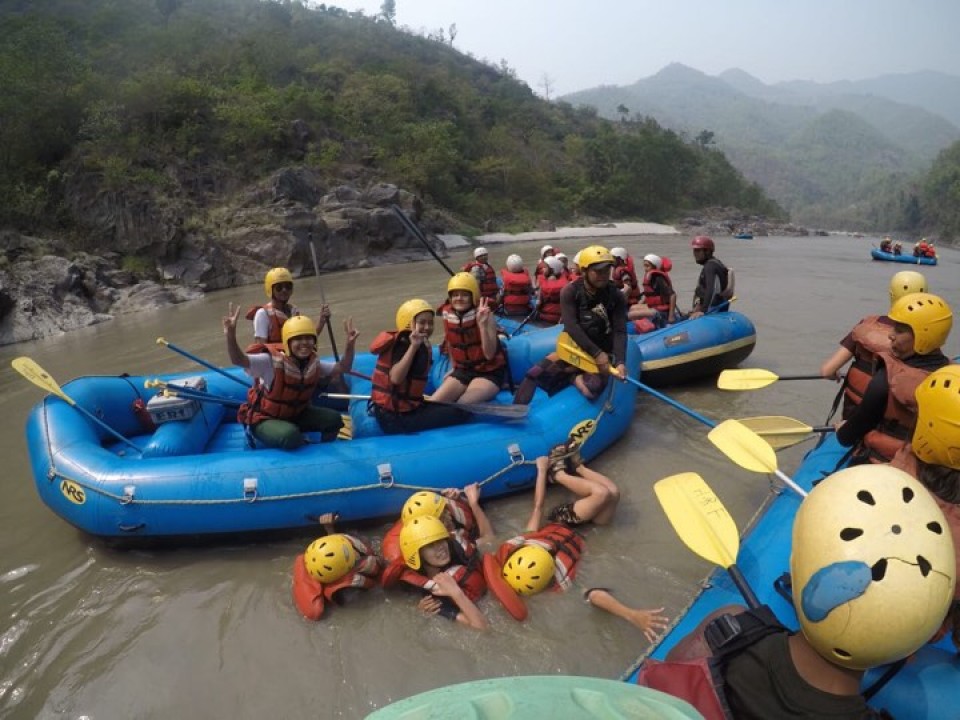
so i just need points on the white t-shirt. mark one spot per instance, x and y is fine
(261, 367)
(261, 322)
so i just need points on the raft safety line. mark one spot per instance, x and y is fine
(130, 499)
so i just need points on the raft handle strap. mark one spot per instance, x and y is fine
(385, 471)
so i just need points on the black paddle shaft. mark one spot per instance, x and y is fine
(417, 233)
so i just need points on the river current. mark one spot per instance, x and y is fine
(207, 631)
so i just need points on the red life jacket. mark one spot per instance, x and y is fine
(900, 416)
(622, 274)
(550, 288)
(650, 298)
(516, 292)
(290, 393)
(309, 594)
(406, 396)
(468, 573)
(277, 318)
(870, 336)
(488, 284)
(462, 338)
(564, 543)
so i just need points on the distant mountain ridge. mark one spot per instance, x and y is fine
(817, 149)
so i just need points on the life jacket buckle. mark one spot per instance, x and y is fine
(721, 631)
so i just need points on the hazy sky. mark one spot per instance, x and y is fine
(584, 43)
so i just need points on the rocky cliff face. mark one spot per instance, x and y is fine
(140, 254)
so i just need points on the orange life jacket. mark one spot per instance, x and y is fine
(408, 395)
(488, 284)
(462, 338)
(650, 297)
(290, 393)
(900, 416)
(564, 543)
(870, 336)
(516, 291)
(277, 318)
(622, 274)
(309, 594)
(550, 288)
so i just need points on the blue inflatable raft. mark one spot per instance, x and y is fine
(911, 259)
(686, 351)
(198, 476)
(926, 688)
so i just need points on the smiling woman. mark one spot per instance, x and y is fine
(278, 409)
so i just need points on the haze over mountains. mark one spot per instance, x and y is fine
(824, 151)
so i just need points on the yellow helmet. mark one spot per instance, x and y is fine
(871, 550)
(594, 255)
(936, 439)
(275, 276)
(928, 316)
(295, 327)
(421, 504)
(409, 310)
(417, 534)
(330, 558)
(906, 282)
(465, 281)
(529, 569)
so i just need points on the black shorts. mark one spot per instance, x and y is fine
(465, 376)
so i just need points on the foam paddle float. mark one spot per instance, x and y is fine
(42, 379)
(755, 378)
(704, 525)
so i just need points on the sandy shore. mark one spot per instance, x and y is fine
(564, 233)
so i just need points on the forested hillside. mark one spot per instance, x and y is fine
(829, 155)
(189, 101)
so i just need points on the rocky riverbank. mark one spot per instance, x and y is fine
(158, 256)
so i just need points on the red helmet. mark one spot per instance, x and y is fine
(702, 242)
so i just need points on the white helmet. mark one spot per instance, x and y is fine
(514, 263)
(479, 252)
(555, 265)
(545, 249)
(654, 260)
(560, 256)
(576, 259)
(619, 252)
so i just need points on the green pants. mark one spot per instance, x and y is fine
(288, 434)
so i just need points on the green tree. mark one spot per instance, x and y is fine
(388, 11)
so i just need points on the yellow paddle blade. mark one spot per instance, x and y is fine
(776, 425)
(346, 432)
(747, 379)
(571, 353)
(779, 431)
(699, 518)
(39, 377)
(743, 446)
